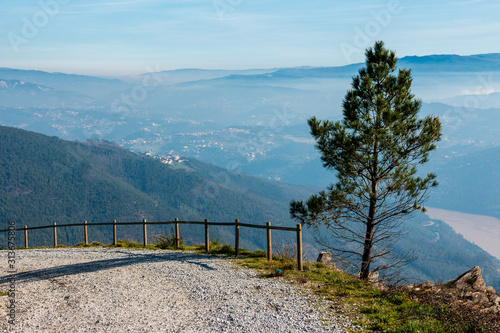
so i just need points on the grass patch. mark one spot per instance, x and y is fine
(93, 244)
(3, 293)
(132, 245)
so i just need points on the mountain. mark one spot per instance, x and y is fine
(82, 84)
(453, 63)
(15, 93)
(172, 77)
(255, 122)
(45, 179)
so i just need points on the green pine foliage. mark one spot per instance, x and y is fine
(375, 151)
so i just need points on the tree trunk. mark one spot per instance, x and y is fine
(367, 251)
(370, 222)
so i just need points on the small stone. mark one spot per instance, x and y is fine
(326, 259)
(490, 290)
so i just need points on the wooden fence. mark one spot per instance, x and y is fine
(176, 222)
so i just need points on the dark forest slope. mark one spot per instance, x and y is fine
(45, 179)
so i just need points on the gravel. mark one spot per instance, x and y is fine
(125, 290)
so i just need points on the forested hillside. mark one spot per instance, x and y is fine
(45, 179)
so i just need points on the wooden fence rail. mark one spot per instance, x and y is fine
(176, 222)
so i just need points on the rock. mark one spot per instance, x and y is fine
(372, 277)
(480, 298)
(471, 280)
(494, 309)
(495, 299)
(425, 285)
(326, 259)
(490, 290)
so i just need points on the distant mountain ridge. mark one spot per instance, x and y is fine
(444, 62)
(82, 84)
(16, 93)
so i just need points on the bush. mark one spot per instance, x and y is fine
(168, 242)
(216, 247)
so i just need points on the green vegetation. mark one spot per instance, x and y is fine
(169, 242)
(131, 244)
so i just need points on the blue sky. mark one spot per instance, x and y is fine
(120, 37)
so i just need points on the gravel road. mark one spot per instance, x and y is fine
(124, 290)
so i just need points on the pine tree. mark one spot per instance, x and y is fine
(375, 151)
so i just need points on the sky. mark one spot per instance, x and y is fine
(124, 37)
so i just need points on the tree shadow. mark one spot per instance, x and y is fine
(94, 266)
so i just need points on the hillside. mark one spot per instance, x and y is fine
(45, 179)
(17, 93)
(82, 84)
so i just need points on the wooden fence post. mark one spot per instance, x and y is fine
(236, 237)
(85, 233)
(26, 236)
(299, 247)
(207, 241)
(177, 238)
(114, 233)
(269, 246)
(55, 235)
(144, 233)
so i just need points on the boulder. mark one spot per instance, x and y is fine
(372, 277)
(471, 280)
(495, 299)
(468, 290)
(480, 298)
(426, 286)
(326, 259)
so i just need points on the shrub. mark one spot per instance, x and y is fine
(216, 247)
(168, 241)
